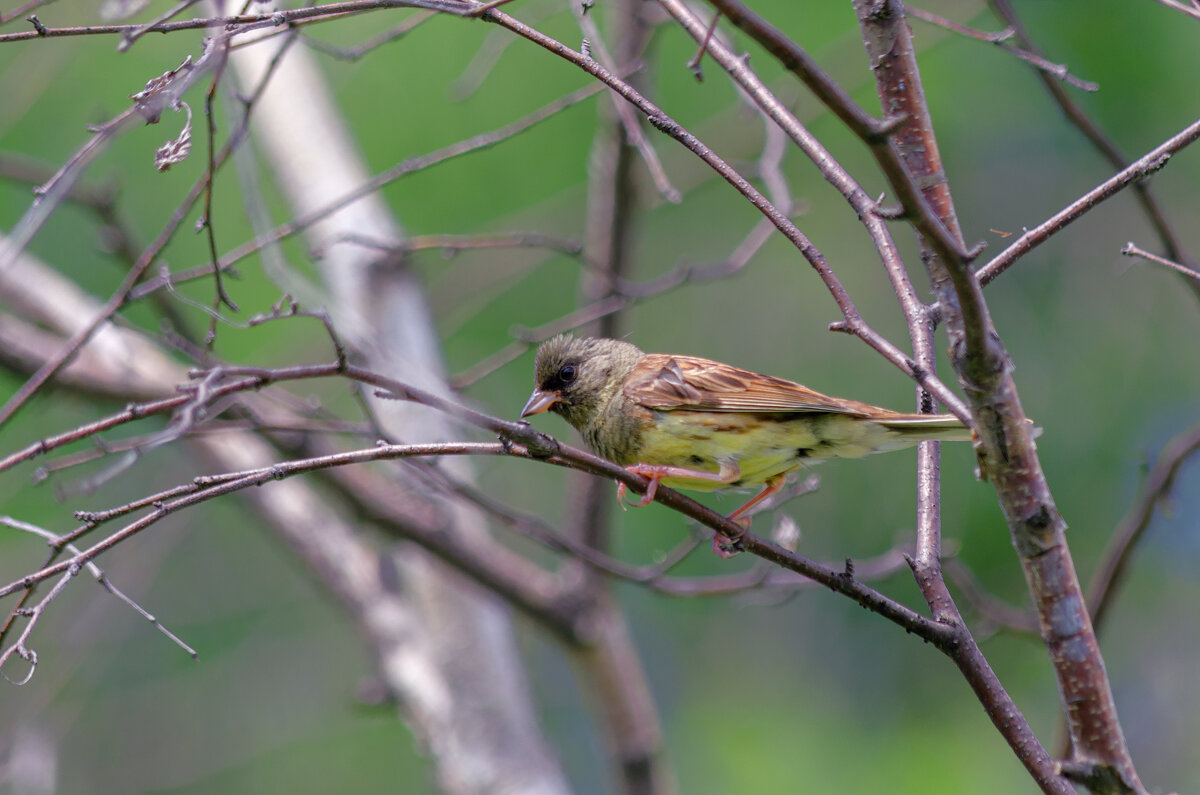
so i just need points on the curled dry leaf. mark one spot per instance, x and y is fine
(177, 149)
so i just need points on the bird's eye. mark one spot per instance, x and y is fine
(567, 373)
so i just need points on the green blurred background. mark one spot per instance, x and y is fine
(809, 695)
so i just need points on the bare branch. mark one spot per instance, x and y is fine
(1141, 168)
(402, 169)
(395, 33)
(994, 611)
(1102, 589)
(21, 10)
(1076, 115)
(19, 647)
(159, 91)
(243, 23)
(629, 120)
(1057, 71)
(1007, 456)
(1130, 250)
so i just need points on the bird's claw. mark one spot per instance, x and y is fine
(725, 547)
(651, 488)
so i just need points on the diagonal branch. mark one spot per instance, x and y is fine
(1134, 174)
(1172, 244)
(1102, 589)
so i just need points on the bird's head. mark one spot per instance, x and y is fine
(573, 377)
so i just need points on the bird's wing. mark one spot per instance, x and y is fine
(666, 382)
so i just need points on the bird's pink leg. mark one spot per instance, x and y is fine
(728, 473)
(723, 545)
(773, 486)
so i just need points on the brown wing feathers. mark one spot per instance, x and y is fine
(666, 382)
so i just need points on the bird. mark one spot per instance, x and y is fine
(704, 425)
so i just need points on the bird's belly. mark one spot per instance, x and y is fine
(762, 445)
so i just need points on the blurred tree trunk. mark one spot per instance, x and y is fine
(454, 667)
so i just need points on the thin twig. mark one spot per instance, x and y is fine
(220, 295)
(1057, 71)
(1103, 586)
(693, 63)
(142, 29)
(101, 578)
(402, 169)
(33, 614)
(452, 244)
(243, 23)
(993, 611)
(354, 53)
(635, 135)
(22, 10)
(494, 45)
(1130, 250)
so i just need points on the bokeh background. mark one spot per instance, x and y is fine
(756, 696)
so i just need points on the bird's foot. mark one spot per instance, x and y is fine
(654, 473)
(725, 547)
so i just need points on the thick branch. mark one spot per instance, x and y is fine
(1007, 454)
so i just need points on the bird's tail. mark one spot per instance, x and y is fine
(942, 427)
(918, 427)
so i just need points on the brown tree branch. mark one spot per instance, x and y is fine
(1007, 456)
(975, 347)
(965, 652)
(531, 444)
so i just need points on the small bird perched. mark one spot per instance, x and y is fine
(698, 424)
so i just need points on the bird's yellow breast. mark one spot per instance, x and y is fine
(762, 445)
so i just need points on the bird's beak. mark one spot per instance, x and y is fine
(541, 400)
